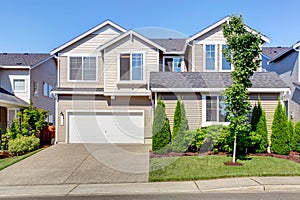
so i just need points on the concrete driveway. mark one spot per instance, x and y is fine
(79, 164)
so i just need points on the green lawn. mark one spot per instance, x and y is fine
(211, 167)
(6, 162)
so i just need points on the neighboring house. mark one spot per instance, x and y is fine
(109, 80)
(285, 62)
(24, 78)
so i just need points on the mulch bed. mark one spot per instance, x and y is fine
(293, 156)
(4, 155)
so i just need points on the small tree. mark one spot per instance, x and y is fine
(243, 52)
(290, 132)
(280, 135)
(161, 134)
(180, 121)
(262, 131)
(295, 140)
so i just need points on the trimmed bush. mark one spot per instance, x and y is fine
(23, 144)
(225, 140)
(161, 134)
(259, 138)
(183, 140)
(256, 114)
(180, 121)
(295, 139)
(280, 137)
(290, 132)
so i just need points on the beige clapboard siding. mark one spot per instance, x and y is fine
(120, 103)
(127, 45)
(192, 105)
(215, 35)
(63, 75)
(90, 43)
(269, 106)
(199, 57)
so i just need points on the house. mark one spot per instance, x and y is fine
(109, 79)
(26, 77)
(285, 62)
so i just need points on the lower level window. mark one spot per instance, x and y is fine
(215, 109)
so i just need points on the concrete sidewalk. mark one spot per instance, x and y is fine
(236, 185)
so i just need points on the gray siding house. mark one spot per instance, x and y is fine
(285, 62)
(109, 79)
(24, 78)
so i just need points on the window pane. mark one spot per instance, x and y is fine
(211, 108)
(137, 66)
(35, 89)
(222, 112)
(168, 64)
(75, 68)
(210, 57)
(49, 91)
(125, 67)
(177, 64)
(19, 85)
(89, 68)
(45, 89)
(225, 64)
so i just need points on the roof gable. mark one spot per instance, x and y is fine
(131, 33)
(219, 23)
(99, 29)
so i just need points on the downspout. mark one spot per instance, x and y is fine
(56, 102)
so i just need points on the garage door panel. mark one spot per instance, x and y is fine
(106, 127)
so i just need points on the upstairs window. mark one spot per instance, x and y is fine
(47, 88)
(35, 89)
(82, 68)
(210, 57)
(19, 85)
(131, 67)
(226, 66)
(173, 64)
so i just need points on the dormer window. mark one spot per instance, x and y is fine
(131, 67)
(82, 68)
(210, 57)
(173, 64)
(226, 66)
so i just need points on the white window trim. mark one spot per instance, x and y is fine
(119, 67)
(82, 55)
(182, 62)
(220, 61)
(216, 58)
(204, 122)
(17, 77)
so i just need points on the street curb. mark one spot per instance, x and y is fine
(233, 185)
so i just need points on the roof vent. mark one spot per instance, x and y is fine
(174, 49)
(4, 53)
(279, 47)
(170, 38)
(275, 51)
(19, 63)
(25, 53)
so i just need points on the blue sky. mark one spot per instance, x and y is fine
(42, 25)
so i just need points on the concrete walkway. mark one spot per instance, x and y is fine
(81, 164)
(236, 185)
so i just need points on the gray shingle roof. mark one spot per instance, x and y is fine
(211, 80)
(171, 44)
(7, 97)
(272, 52)
(21, 59)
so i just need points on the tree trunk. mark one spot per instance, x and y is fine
(234, 149)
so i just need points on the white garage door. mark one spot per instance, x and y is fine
(106, 127)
